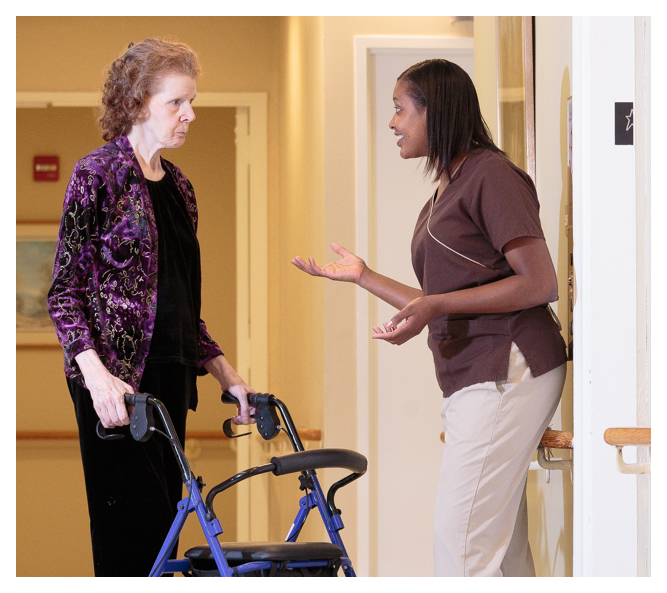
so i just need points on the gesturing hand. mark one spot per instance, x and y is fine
(415, 315)
(347, 269)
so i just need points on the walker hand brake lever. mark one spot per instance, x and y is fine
(228, 398)
(102, 433)
(229, 433)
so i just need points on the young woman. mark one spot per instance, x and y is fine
(486, 280)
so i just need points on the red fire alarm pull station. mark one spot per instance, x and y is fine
(46, 168)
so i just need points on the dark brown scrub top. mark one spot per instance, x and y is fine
(489, 202)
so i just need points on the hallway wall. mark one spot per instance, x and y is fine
(550, 514)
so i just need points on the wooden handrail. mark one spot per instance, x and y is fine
(306, 434)
(47, 435)
(556, 439)
(551, 439)
(621, 437)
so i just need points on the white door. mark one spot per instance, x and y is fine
(400, 394)
(605, 316)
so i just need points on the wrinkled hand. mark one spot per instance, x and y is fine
(106, 391)
(415, 315)
(231, 381)
(108, 395)
(347, 269)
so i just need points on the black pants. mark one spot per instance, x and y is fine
(133, 488)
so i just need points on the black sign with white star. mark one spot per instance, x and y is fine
(625, 123)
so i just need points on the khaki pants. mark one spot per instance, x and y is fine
(491, 433)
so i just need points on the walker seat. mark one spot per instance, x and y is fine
(286, 558)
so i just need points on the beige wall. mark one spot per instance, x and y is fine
(238, 54)
(42, 398)
(296, 347)
(296, 227)
(486, 71)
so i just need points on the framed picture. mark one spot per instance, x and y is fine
(35, 252)
(516, 95)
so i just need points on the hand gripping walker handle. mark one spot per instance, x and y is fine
(141, 420)
(228, 398)
(268, 423)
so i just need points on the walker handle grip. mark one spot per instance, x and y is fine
(141, 420)
(228, 398)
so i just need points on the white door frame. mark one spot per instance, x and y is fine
(605, 312)
(251, 254)
(367, 403)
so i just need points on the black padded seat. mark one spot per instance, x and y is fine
(237, 553)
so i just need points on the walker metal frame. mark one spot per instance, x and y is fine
(269, 425)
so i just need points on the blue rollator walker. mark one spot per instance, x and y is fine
(286, 559)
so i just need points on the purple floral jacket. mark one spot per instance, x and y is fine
(104, 290)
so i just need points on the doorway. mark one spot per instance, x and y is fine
(401, 437)
(231, 185)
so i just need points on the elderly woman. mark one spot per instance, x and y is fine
(486, 278)
(125, 301)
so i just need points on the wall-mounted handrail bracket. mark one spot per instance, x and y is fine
(629, 437)
(545, 461)
(554, 439)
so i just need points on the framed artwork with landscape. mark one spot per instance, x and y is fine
(35, 251)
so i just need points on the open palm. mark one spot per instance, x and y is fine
(348, 268)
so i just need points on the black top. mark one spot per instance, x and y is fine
(179, 278)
